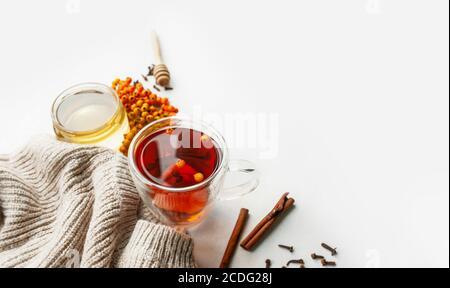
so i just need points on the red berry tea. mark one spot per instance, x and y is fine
(178, 158)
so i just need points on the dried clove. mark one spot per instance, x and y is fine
(151, 69)
(268, 263)
(144, 77)
(289, 248)
(329, 248)
(156, 88)
(168, 88)
(136, 82)
(327, 263)
(296, 261)
(314, 256)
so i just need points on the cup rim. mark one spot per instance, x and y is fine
(217, 137)
(72, 90)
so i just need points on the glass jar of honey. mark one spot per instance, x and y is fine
(90, 113)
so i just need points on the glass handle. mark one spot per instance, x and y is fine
(246, 180)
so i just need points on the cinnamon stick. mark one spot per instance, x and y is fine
(234, 238)
(282, 206)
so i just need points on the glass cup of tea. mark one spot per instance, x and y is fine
(179, 168)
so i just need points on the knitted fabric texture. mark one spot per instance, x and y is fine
(65, 205)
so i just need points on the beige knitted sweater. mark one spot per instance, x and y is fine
(64, 205)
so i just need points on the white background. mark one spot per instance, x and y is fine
(360, 86)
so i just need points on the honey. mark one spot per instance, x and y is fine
(90, 114)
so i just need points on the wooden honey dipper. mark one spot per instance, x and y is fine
(161, 72)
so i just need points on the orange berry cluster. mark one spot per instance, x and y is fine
(142, 107)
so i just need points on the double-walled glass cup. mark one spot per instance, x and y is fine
(186, 206)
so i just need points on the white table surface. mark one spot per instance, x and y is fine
(360, 89)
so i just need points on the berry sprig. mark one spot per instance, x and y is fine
(142, 107)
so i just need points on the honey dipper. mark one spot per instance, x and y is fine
(161, 73)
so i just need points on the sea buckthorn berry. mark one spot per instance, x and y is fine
(204, 138)
(126, 143)
(144, 114)
(181, 163)
(142, 121)
(198, 177)
(131, 115)
(129, 136)
(149, 118)
(123, 149)
(140, 126)
(132, 98)
(139, 103)
(137, 111)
